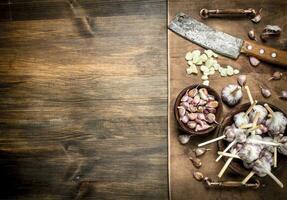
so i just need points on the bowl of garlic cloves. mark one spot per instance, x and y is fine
(198, 109)
(254, 135)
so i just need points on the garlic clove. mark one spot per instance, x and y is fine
(200, 151)
(192, 116)
(191, 124)
(192, 108)
(251, 34)
(211, 118)
(198, 176)
(241, 80)
(206, 82)
(181, 111)
(195, 161)
(265, 92)
(202, 102)
(254, 61)
(184, 98)
(184, 139)
(200, 109)
(193, 92)
(201, 116)
(258, 17)
(202, 127)
(276, 76)
(196, 99)
(185, 104)
(184, 119)
(283, 94)
(212, 104)
(188, 56)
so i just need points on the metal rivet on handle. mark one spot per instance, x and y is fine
(249, 47)
(273, 55)
(261, 51)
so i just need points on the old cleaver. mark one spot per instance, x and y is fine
(223, 43)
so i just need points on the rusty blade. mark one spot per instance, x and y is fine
(205, 36)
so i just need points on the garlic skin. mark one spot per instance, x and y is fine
(283, 94)
(231, 94)
(241, 80)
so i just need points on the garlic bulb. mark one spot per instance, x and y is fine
(231, 94)
(277, 123)
(240, 119)
(262, 113)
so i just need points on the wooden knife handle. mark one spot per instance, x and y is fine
(265, 53)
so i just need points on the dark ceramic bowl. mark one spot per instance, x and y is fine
(237, 165)
(218, 113)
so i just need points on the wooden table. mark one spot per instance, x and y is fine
(182, 184)
(83, 101)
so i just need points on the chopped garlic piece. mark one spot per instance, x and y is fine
(203, 68)
(216, 66)
(210, 53)
(236, 71)
(203, 57)
(206, 82)
(204, 77)
(229, 71)
(190, 62)
(188, 56)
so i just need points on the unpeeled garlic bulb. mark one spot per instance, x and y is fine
(231, 94)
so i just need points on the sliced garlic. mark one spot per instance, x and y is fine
(236, 71)
(229, 70)
(190, 62)
(206, 82)
(216, 66)
(203, 57)
(203, 68)
(210, 53)
(188, 56)
(210, 62)
(204, 77)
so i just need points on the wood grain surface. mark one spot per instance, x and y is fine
(182, 184)
(83, 99)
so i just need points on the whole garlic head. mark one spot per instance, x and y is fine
(231, 94)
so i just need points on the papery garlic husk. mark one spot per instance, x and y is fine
(283, 94)
(241, 80)
(231, 94)
(276, 76)
(184, 139)
(200, 151)
(198, 176)
(265, 92)
(195, 161)
(254, 61)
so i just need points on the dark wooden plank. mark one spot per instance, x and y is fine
(84, 115)
(182, 183)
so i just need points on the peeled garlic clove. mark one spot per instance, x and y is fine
(276, 76)
(193, 92)
(188, 56)
(206, 82)
(212, 104)
(200, 151)
(191, 124)
(195, 161)
(251, 34)
(265, 92)
(181, 111)
(184, 139)
(254, 61)
(184, 119)
(283, 94)
(241, 80)
(198, 176)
